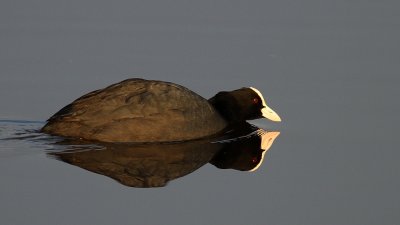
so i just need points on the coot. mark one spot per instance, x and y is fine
(138, 110)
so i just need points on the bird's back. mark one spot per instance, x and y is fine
(137, 110)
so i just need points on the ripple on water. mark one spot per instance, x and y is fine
(19, 137)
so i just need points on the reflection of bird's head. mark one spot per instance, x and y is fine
(267, 138)
(245, 154)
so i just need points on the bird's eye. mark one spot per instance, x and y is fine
(255, 100)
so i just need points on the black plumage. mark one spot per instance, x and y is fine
(138, 110)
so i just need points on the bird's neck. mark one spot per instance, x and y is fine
(227, 107)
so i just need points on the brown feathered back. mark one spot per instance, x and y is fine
(137, 110)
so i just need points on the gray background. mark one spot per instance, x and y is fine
(329, 68)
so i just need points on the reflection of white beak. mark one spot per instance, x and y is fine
(270, 114)
(267, 138)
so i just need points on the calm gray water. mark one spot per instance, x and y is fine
(329, 68)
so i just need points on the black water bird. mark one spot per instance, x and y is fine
(138, 110)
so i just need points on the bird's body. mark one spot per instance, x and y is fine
(138, 110)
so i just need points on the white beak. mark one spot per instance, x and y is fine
(267, 112)
(270, 114)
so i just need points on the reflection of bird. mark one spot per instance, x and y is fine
(153, 165)
(138, 110)
(147, 165)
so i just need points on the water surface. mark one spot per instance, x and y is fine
(330, 69)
